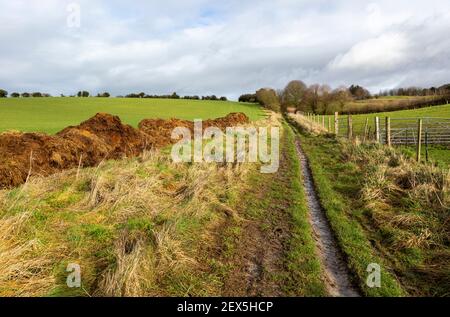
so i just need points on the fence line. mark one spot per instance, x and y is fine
(388, 131)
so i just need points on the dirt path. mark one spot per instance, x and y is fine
(259, 262)
(337, 276)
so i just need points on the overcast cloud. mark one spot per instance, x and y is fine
(221, 47)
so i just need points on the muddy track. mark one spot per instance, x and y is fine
(261, 249)
(337, 276)
(260, 257)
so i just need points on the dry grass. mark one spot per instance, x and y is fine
(132, 273)
(409, 207)
(137, 227)
(307, 125)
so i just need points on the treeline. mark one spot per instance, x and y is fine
(174, 96)
(248, 98)
(86, 94)
(297, 96)
(4, 94)
(416, 91)
(322, 99)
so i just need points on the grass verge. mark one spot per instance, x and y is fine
(337, 186)
(302, 260)
(385, 209)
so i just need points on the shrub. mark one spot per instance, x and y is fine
(83, 94)
(268, 98)
(248, 98)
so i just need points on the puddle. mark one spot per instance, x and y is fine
(337, 276)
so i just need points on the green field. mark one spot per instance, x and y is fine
(360, 119)
(439, 154)
(433, 112)
(51, 115)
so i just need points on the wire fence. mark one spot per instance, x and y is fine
(404, 131)
(386, 130)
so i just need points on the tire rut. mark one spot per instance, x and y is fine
(337, 276)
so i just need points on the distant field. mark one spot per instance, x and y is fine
(51, 115)
(393, 98)
(391, 103)
(429, 112)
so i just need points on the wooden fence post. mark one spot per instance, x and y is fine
(329, 124)
(323, 121)
(377, 129)
(388, 131)
(336, 123)
(350, 127)
(366, 130)
(419, 139)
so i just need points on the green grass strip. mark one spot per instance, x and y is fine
(348, 232)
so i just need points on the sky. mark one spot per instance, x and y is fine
(220, 47)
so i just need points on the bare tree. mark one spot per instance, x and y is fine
(342, 96)
(293, 94)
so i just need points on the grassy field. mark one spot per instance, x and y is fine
(51, 115)
(360, 119)
(429, 112)
(432, 112)
(439, 154)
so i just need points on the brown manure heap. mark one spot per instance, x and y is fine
(159, 131)
(103, 137)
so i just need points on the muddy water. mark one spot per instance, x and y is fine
(337, 277)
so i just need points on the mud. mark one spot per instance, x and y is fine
(259, 258)
(337, 276)
(103, 137)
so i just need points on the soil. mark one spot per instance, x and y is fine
(103, 137)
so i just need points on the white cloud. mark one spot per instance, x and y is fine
(226, 47)
(385, 52)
